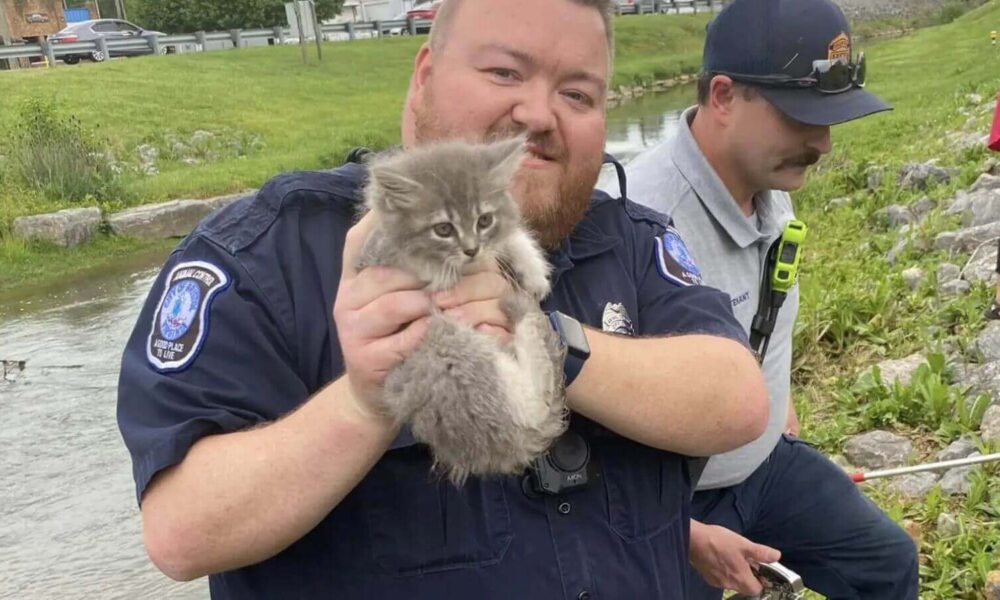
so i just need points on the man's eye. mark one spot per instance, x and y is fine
(579, 97)
(506, 74)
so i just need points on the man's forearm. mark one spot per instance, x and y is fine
(240, 498)
(693, 394)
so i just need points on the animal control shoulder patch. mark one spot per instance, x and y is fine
(180, 324)
(673, 260)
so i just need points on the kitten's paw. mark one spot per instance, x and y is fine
(537, 285)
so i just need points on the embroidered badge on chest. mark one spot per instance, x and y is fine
(181, 321)
(616, 319)
(673, 260)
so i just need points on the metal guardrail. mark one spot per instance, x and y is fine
(157, 43)
(645, 7)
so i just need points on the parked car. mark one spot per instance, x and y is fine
(423, 11)
(109, 29)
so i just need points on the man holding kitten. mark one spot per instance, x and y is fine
(248, 387)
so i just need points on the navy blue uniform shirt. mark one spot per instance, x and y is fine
(238, 330)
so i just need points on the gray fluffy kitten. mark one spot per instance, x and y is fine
(483, 408)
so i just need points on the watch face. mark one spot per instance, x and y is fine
(572, 334)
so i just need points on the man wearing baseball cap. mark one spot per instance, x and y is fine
(776, 75)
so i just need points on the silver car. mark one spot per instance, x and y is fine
(109, 29)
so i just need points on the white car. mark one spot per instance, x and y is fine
(421, 11)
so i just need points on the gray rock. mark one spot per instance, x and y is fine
(838, 202)
(947, 525)
(66, 228)
(960, 448)
(920, 175)
(156, 221)
(841, 461)
(898, 248)
(956, 481)
(988, 342)
(986, 181)
(914, 485)
(894, 215)
(959, 204)
(981, 265)
(993, 585)
(878, 450)
(967, 239)
(189, 161)
(222, 201)
(962, 140)
(946, 240)
(982, 379)
(201, 136)
(912, 277)
(148, 153)
(899, 369)
(874, 178)
(983, 207)
(990, 428)
(955, 288)
(923, 206)
(947, 272)
(991, 166)
(974, 99)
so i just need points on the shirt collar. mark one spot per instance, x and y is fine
(585, 241)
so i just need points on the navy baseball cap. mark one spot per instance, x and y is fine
(797, 53)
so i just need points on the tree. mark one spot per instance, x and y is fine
(186, 16)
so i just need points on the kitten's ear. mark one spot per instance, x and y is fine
(392, 189)
(506, 157)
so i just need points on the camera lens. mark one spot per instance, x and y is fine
(570, 452)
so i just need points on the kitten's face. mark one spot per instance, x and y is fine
(448, 204)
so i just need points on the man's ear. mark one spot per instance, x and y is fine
(722, 94)
(423, 64)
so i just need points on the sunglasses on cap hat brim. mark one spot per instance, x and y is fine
(828, 77)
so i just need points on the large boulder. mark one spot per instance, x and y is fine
(156, 221)
(878, 450)
(67, 228)
(921, 175)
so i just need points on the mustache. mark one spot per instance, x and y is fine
(806, 159)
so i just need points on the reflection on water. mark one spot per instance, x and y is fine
(69, 526)
(644, 121)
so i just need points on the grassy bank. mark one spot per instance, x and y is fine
(856, 310)
(244, 116)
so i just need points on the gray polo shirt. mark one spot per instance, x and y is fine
(730, 248)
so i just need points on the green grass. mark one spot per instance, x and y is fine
(305, 116)
(856, 309)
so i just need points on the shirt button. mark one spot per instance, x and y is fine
(584, 595)
(564, 508)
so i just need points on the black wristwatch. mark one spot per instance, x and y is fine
(577, 348)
